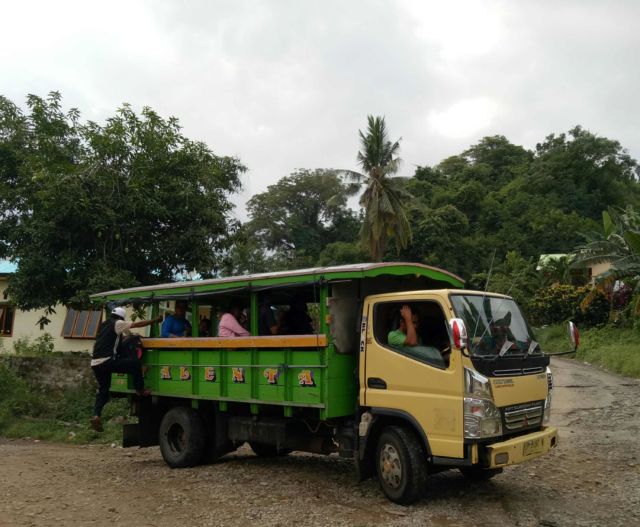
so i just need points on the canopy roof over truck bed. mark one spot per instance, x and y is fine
(438, 277)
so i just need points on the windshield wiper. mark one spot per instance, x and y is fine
(505, 347)
(532, 348)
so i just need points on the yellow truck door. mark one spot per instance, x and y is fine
(410, 381)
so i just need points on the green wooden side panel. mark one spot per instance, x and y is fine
(317, 378)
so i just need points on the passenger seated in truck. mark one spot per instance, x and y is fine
(297, 321)
(229, 325)
(204, 327)
(176, 325)
(267, 323)
(406, 339)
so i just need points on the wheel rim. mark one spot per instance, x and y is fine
(176, 438)
(390, 466)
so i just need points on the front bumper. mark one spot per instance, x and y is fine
(521, 448)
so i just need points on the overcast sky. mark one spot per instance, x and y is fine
(287, 84)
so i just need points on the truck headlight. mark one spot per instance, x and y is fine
(481, 416)
(476, 385)
(547, 409)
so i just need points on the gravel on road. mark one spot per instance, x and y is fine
(591, 478)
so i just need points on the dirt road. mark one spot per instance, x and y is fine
(592, 478)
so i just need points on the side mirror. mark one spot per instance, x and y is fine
(574, 335)
(458, 332)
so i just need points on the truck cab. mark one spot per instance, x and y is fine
(473, 393)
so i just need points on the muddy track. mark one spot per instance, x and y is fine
(592, 478)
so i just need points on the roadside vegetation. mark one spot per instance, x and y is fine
(29, 412)
(613, 348)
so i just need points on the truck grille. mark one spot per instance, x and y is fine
(521, 416)
(517, 371)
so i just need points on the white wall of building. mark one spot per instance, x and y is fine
(25, 324)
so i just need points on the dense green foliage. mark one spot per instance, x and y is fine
(294, 221)
(560, 303)
(85, 207)
(496, 206)
(499, 196)
(611, 347)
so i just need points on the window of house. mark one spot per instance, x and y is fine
(7, 315)
(81, 324)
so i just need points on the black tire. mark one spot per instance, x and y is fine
(480, 474)
(265, 450)
(401, 465)
(181, 437)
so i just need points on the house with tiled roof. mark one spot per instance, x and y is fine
(71, 330)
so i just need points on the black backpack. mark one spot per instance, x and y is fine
(130, 347)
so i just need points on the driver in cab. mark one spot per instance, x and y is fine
(407, 332)
(407, 340)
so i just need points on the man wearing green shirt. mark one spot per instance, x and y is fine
(406, 340)
(406, 334)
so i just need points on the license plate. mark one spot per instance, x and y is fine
(532, 446)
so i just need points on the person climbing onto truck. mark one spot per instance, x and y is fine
(105, 360)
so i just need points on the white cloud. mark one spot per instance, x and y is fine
(464, 119)
(287, 84)
(459, 29)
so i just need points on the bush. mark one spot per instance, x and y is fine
(17, 398)
(43, 345)
(555, 304)
(594, 309)
(59, 416)
(586, 306)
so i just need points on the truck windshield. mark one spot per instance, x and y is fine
(495, 326)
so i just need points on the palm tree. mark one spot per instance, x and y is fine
(384, 200)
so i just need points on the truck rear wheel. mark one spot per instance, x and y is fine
(181, 437)
(401, 465)
(480, 474)
(265, 450)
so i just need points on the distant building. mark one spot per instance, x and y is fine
(593, 271)
(71, 330)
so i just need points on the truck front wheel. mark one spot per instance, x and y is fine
(181, 437)
(401, 465)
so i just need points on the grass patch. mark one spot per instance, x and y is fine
(616, 349)
(26, 411)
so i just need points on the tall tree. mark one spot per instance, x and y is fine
(293, 220)
(384, 199)
(87, 207)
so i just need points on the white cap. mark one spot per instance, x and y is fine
(120, 312)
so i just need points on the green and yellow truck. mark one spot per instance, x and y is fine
(474, 394)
